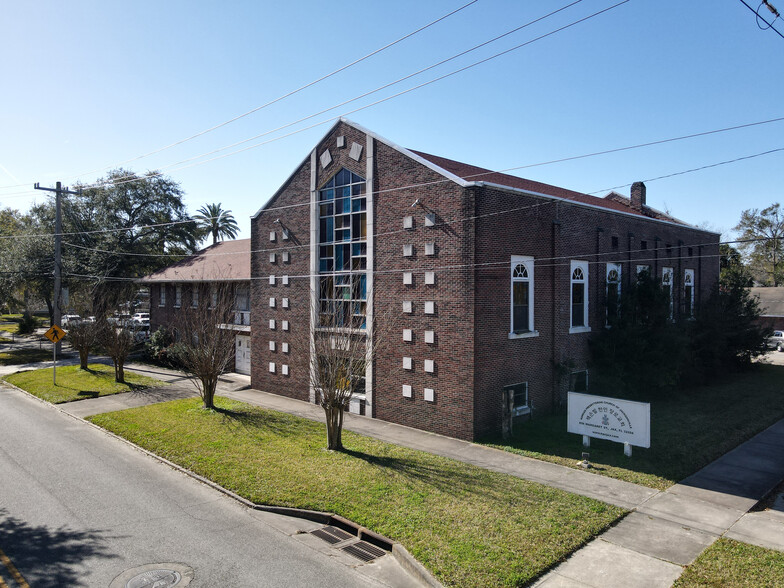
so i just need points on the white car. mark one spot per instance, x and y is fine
(141, 318)
(70, 320)
(776, 341)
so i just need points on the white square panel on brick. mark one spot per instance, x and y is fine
(286, 234)
(272, 302)
(285, 325)
(408, 363)
(285, 280)
(430, 366)
(284, 369)
(284, 347)
(356, 151)
(286, 256)
(408, 306)
(272, 258)
(272, 236)
(272, 280)
(408, 250)
(272, 345)
(408, 222)
(272, 324)
(430, 219)
(430, 337)
(325, 158)
(430, 307)
(272, 367)
(408, 278)
(430, 395)
(430, 278)
(408, 335)
(407, 391)
(284, 303)
(430, 248)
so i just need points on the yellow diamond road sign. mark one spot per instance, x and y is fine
(55, 334)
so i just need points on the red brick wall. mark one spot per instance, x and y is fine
(555, 233)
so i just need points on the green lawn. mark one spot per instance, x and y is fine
(731, 564)
(687, 432)
(10, 322)
(25, 355)
(469, 526)
(76, 384)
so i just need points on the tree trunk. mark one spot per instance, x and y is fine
(119, 373)
(334, 427)
(83, 355)
(208, 392)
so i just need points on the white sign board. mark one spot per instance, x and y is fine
(600, 417)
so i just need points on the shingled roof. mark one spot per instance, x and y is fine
(771, 300)
(226, 261)
(472, 173)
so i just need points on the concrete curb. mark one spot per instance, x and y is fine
(400, 553)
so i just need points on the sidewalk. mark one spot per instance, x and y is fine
(664, 532)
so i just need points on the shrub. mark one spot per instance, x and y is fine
(27, 324)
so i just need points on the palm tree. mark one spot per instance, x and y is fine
(216, 221)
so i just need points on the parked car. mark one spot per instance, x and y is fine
(776, 341)
(141, 318)
(70, 320)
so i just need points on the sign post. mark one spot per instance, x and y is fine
(618, 420)
(55, 334)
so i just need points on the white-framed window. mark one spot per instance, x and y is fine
(162, 295)
(613, 293)
(578, 297)
(195, 296)
(177, 296)
(519, 394)
(667, 286)
(521, 298)
(688, 293)
(242, 298)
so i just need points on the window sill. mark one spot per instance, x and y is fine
(525, 335)
(573, 330)
(521, 410)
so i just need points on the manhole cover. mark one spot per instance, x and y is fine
(155, 579)
(161, 575)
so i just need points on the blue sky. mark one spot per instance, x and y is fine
(87, 86)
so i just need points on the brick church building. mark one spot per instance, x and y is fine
(494, 281)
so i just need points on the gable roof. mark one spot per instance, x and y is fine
(227, 261)
(479, 175)
(466, 175)
(771, 300)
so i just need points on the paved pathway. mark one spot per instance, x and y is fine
(665, 531)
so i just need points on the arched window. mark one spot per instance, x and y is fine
(522, 295)
(613, 292)
(579, 296)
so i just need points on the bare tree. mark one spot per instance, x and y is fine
(205, 338)
(117, 341)
(82, 338)
(342, 350)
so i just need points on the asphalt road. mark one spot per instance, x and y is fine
(80, 508)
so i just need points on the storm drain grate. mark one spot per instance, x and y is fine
(331, 534)
(364, 551)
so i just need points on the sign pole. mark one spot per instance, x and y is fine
(54, 363)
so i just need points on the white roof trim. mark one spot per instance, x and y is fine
(450, 176)
(594, 206)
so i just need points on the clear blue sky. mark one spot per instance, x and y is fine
(89, 85)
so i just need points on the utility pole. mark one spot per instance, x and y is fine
(58, 234)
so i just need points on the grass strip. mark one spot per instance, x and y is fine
(25, 355)
(732, 564)
(687, 432)
(469, 526)
(77, 384)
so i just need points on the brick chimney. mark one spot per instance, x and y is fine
(638, 195)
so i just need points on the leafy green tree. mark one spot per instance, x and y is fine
(732, 268)
(215, 221)
(763, 231)
(642, 353)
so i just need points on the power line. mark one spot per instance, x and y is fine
(756, 12)
(279, 98)
(173, 166)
